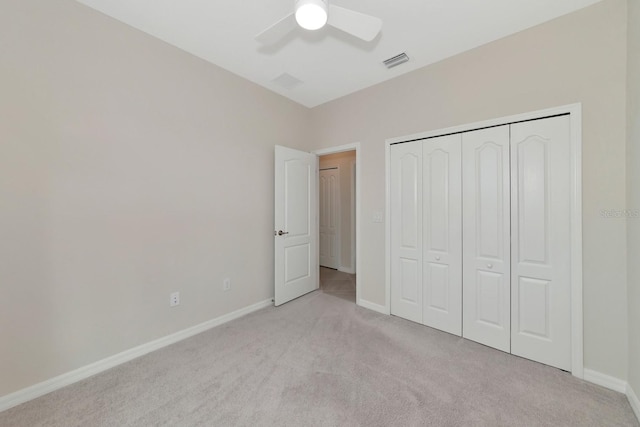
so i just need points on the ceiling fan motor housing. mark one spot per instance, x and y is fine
(311, 14)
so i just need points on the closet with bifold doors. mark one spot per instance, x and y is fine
(480, 237)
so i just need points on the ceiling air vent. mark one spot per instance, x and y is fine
(396, 60)
(287, 81)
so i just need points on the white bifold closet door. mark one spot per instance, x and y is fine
(406, 230)
(541, 241)
(486, 237)
(426, 243)
(442, 237)
(480, 236)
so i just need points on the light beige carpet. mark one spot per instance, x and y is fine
(322, 361)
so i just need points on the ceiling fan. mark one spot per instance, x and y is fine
(315, 14)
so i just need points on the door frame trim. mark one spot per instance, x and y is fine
(575, 114)
(355, 146)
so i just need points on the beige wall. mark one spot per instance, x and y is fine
(128, 169)
(580, 57)
(345, 161)
(633, 190)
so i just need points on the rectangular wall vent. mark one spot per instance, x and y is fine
(396, 60)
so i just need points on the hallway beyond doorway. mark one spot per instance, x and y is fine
(337, 283)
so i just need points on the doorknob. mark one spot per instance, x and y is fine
(280, 232)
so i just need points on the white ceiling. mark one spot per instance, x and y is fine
(330, 63)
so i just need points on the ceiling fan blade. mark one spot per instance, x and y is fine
(278, 30)
(365, 27)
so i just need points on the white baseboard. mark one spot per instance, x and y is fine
(615, 384)
(604, 380)
(347, 270)
(76, 375)
(372, 306)
(633, 401)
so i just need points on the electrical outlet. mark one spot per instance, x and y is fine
(174, 299)
(226, 284)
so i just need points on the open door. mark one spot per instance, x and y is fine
(296, 249)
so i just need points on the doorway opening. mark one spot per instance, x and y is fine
(338, 202)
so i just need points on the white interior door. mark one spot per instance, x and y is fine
(486, 237)
(541, 241)
(296, 260)
(406, 230)
(329, 217)
(442, 225)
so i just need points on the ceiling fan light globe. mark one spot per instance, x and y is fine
(311, 14)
